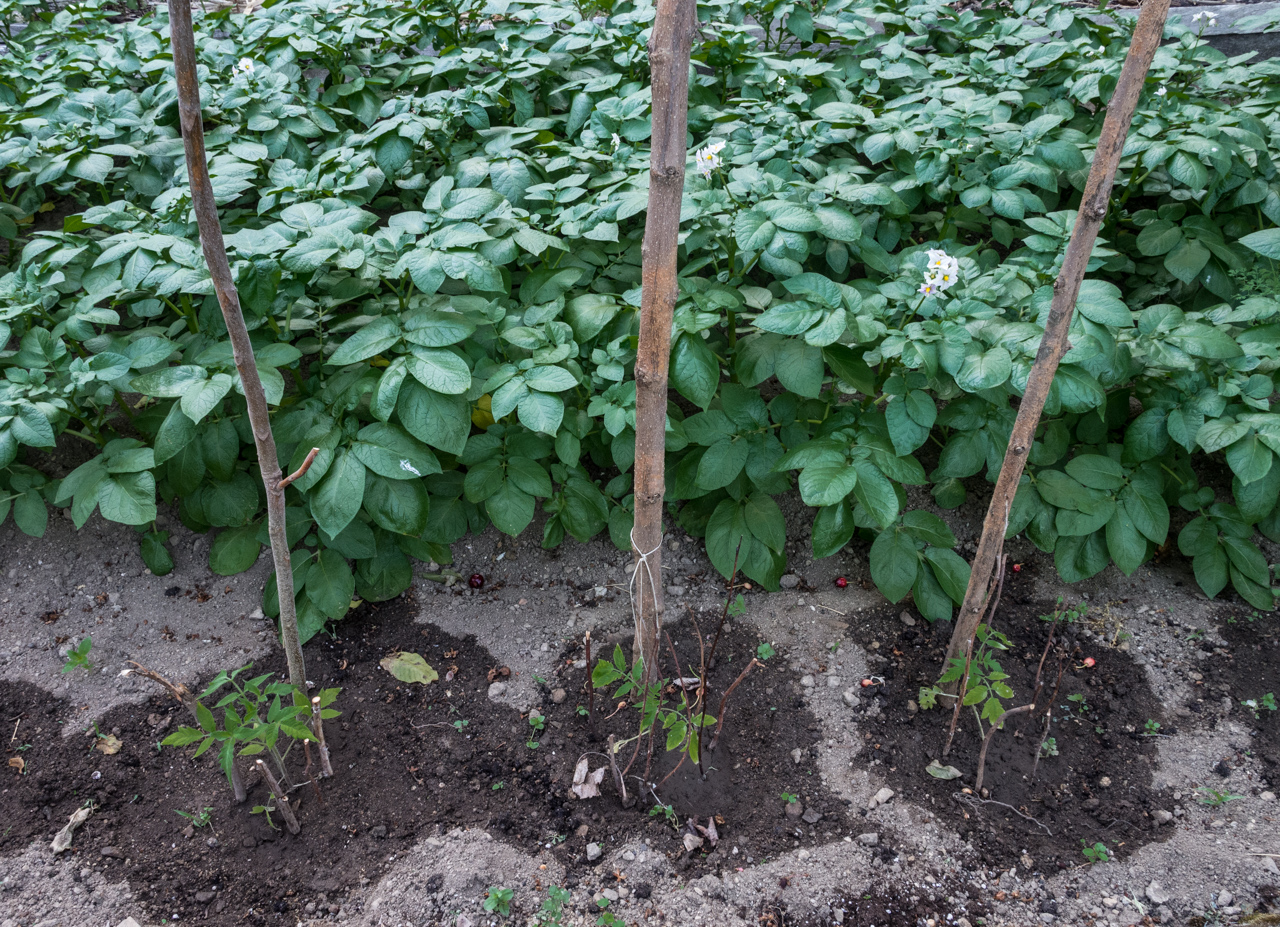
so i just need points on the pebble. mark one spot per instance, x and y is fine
(797, 756)
(379, 831)
(594, 852)
(610, 894)
(1268, 796)
(851, 697)
(882, 796)
(871, 840)
(558, 696)
(1157, 893)
(496, 689)
(205, 897)
(834, 682)
(212, 843)
(629, 855)
(793, 810)
(811, 815)
(790, 581)
(112, 852)
(1225, 898)
(676, 591)
(906, 619)
(806, 681)
(1161, 816)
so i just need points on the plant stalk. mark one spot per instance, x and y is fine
(591, 690)
(1093, 208)
(669, 48)
(282, 800)
(715, 738)
(317, 728)
(986, 742)
(182, 41)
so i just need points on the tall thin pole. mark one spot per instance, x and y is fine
(182, 41)
(669, 46)
(1093, 208)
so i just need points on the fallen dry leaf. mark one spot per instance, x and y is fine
(409, 667)
(109, 744)
(18, 763)
(586, 785)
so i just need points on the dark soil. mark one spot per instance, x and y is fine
(409, 761)
(1096, 789)
(1248, 670)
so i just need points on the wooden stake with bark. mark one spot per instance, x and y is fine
(1093, 207)
(182, 41)
(669, 46)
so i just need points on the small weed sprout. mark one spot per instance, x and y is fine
(667, 813)
(1259, 705)
(552, 910)
(1152, 727)
(1078, 700)
(790, 798)
(199, 818)
(1049, 747)
(1215, 798)
(764, 652)
(1098, 853)
(78, 656)
(607, 918)
(459, 726)
(265, 811)
(498, 786)
(498, 900)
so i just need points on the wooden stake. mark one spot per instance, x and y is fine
(669, 45)
(1093, 207)
(182, 41)
(591, 690)
(282, 800)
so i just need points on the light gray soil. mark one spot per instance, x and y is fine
(1212, 864)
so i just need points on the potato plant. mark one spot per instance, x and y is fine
(434, 217)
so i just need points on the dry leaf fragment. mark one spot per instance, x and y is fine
(586, 785)
(938, 771)
(109, 744)
(18, 763)
(409, 667)
(62, 840)
(692, 842)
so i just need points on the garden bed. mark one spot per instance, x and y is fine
(1097, 787)
(409, 762)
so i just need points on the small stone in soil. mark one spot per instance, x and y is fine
(882, 796)
(594, 852)
(558, 696)
(793, 810)
(851, 697)
(811, 816)
(496, 689)
(1157, 893)
(870, 840)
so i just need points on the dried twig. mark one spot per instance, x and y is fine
(715, 738)
(189, 700)
(282, 800)
(1048, 720)
(986, 741)
(591, 690)
(617, 773)
(972, 800)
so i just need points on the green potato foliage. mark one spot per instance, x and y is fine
(434, 216)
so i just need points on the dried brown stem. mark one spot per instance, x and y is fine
(727, 599)
(189, 700)
(669, 46)
(282, 800)
(986, 742)
(1147, 36)
(715, 738)
(317, 728)
(617, 774)
(182, 41)
(1048, 720)
(591, 690)
(301, 471)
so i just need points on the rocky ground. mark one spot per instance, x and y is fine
(1216, 862)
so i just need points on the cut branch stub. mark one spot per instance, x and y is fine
(1093, 207)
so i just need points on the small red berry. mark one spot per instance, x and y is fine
(1090, 661)
(476, 581)
(867, 683)
(1017, 568)
(841, 582)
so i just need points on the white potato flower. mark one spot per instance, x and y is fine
(243, 67)
(941, 273)
(1162, 91)
(616, 141)
(708, 159)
